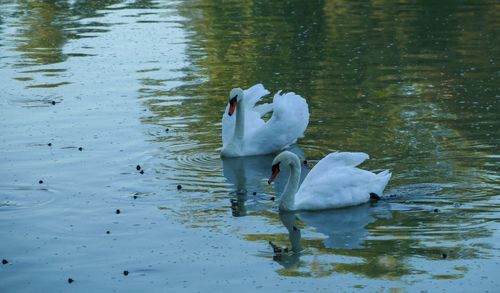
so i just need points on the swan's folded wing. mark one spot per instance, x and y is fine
(292, 110)
(339, 187)
(287, 123)
(338, 159)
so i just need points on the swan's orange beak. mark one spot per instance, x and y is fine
(232, 106)
(275, 170)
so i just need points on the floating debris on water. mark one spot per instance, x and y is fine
(436, 210)
(40, 181)
(179, 187)
(138, 167)
(125, 273)
(118, 211)
(107, 232)
(70, 280)
(142, 172)
(277, 249)
(53, 102)
(49, 144)
(4, 261)
(80, 149)
(444, 255)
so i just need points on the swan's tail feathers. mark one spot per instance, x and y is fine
(382, 181)
(254, 94)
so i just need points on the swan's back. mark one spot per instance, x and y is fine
(336, 182)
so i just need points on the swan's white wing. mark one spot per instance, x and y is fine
(254, 94)
(290, 112)
(338, 159)
(340, 187)
(377, 182)
(288, 122)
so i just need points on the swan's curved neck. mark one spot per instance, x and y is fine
(239, 129)
(287, 200)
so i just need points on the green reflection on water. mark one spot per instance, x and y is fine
(41, 35)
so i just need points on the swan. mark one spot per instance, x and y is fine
(334, 182)
(245, 133)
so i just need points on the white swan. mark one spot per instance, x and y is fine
(247, 134)
(334, 182)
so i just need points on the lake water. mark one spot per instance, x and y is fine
(91, 89)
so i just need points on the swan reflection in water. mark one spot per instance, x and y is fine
(344, 228)
(248, 175)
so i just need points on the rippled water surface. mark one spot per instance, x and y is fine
(89, 90)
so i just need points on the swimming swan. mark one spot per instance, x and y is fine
(245, 133)
(334, 182)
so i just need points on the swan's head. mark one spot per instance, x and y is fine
(284, 158)
(235, 96)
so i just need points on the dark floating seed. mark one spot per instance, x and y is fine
(142, 172)
(80, 149)
(272, 198)
(40, 182)
(53, 102)
(49, 144)
(305, 162)
(166, 130)
(118, 211)
(179, 187)
(444, 255)
(436, 210)
(135, 196)
(70, 280)
(254, 193)
(4, 261)
(138, 167)
(125, 273)
(107, 232)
